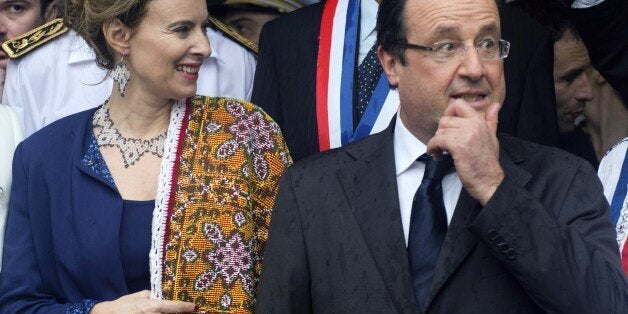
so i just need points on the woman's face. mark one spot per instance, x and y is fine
(167, 49)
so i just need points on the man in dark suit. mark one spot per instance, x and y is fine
(516, 228)
(604, 29)
(285, 79)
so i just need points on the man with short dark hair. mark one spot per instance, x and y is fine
(18, 17)
(389, 225)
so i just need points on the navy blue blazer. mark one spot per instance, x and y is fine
(62, 238)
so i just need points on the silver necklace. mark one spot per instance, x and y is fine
(131, 149)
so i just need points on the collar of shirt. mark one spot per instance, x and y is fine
(215, 42)
(407, 147)
(79, 49)
(368, 19)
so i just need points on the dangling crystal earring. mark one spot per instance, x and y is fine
(121, 75)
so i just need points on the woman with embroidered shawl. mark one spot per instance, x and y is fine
(155, 201)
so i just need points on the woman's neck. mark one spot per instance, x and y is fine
(139, 117)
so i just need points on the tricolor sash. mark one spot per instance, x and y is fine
(335, 79)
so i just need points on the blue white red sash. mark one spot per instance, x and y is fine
(334, 80)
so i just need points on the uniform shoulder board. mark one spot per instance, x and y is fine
(34, 38)
(232, 34)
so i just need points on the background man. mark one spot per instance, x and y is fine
(517, 227)
(18, 17)
(248, 16)
(315, 113)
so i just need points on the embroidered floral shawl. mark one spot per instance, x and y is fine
(219, 177)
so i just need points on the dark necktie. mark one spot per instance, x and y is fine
(369, 72)
(428, 225)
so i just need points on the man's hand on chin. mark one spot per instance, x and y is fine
(469, 136)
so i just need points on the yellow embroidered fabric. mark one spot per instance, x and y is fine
(231, 160)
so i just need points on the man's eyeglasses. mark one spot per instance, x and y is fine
(488, 49)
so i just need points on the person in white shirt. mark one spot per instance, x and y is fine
(62, 78)
(10, 136)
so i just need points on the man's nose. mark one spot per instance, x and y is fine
(583, 88)
(471, 65)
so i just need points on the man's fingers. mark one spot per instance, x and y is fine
(437, 145)
(459, 108)
(491, 117)
(449, 122)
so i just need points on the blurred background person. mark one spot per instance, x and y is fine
(604, 29)
(606, 115)
(10, 136)
(572, 84)
(18, 17)
(248, 16)
(155, 189)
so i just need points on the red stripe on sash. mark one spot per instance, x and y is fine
(322, 73)
(175, 175)
(624, 259)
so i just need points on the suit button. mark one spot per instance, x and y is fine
(492, 233)
(503, 246)
(498, 240)
(511, 253)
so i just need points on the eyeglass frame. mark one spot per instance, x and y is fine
(503, 52)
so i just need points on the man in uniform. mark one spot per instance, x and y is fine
(18, 17)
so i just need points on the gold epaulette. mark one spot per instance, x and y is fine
(34, 38)
(232, 34)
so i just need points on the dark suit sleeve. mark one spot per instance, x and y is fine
(285, 280)
(537, 121)
(529, 109)
(265, 86)
(604, 29)
(23, 290)
(566, 257)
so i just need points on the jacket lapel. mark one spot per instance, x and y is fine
(459, 241)
(371, 187)
(96, 216)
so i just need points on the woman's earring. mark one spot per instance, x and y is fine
(121, 75)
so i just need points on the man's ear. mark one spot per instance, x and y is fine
(389, 63)
(51, 12)
(117, 36)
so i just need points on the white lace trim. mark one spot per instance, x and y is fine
(160, 212)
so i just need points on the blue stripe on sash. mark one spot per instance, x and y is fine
(620, 191)
(348, 70)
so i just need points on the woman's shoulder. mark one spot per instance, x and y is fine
(60, 131)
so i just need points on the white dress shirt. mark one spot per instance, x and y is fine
(368, 35)
(409, 171)
(62, 78)
(10, 135)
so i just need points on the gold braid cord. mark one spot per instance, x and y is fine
(32, 39)
(228, 173)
